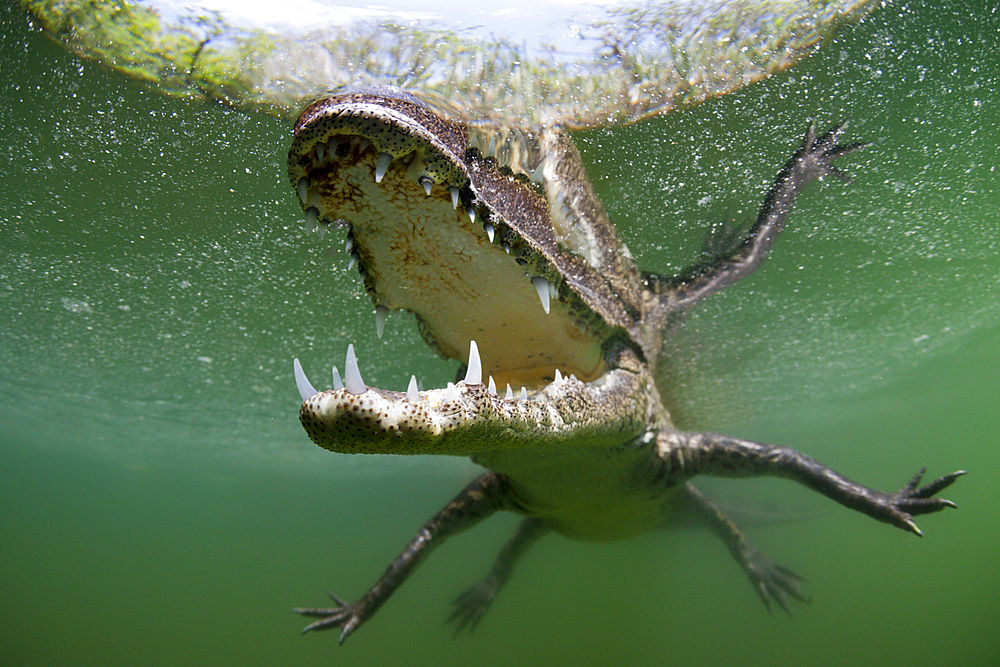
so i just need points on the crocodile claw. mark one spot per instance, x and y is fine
(911, 500)
(773, 582)
(471, 606)
(346, 616)
(816, 155)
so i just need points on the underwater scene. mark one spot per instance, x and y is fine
(162, 504)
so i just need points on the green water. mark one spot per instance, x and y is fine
(161, 505)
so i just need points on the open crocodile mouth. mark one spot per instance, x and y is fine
(425, 241)
(467, 246)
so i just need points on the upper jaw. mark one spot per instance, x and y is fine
(438, 230)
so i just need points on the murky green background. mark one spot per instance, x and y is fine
(161, 505)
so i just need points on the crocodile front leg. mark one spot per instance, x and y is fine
(813, 160)
(773, 582)
(688, 454)
(484, 496)
(472, 605)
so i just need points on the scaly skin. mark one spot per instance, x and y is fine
(473, 249)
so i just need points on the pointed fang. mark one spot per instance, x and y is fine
(542, 287)
(489, 231)
(472, 213)
(427, 183)
(353, 382)
(306, 390)
(474, 372)
(337, 382)
(382, 166)
(454, 195)
(524, 394)
(411, 392)
(303, 190)
(312, 217)
(510, 393)
(381, 315)
(492, 386)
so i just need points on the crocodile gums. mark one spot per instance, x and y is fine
(512, 267)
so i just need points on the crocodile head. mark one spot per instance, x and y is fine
(510, 266)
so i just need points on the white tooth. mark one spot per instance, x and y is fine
(353, 260)
(349, 245)
(558, 377)
(506, 247)
(363, 146)
(492, 386)
(381, 314)
(538, 174)
(427, 183)
(492, 148)
(319, 152)
(331, 146)
(411, 392)
(451, 392)
(572, 377)
(489, 230)
(524, 394)
(542, 287)
(306, 390)
(472, 213)
(337, 382)
(353, 382)
(312, 217)
(474, 369)
(510, 393)
(382, 166)
(553, 292)
(303, 189)
(323, 227)
(454, 195)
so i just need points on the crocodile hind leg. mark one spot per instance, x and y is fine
(772, 581)
(484, 496)
(472, 605)
(685, 455)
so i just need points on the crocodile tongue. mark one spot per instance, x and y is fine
(424, 241)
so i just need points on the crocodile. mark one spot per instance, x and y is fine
(511, 266)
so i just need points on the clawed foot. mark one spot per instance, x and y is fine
(472, 605)
(899, 508)
(773, 582)
(816, 156)
(346, 616)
